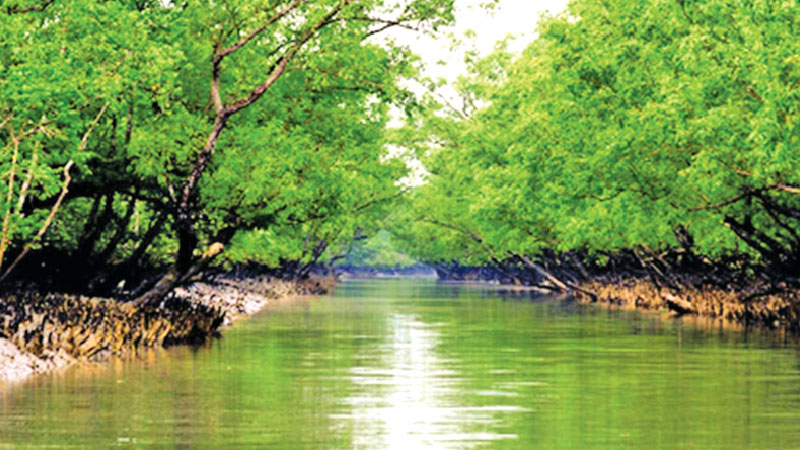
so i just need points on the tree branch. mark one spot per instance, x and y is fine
(92, 127)
(280, 67)
(221, 54)
(225, 112)
(477, 238)
(18, 10)
(788, 188)
(23, 192)
(746, 194)
(45, 225)
(9, 196)
(387, 23)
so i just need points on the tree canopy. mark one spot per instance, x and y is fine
(626, 125)
(139, 136)
(175, 129)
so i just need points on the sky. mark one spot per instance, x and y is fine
(511, 17)
(515, 17)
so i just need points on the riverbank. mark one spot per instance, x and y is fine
(737, 291)
(16, 365)
(45, 333)
(238, 297)
(773, 309)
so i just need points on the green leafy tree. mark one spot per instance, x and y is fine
(208, 120)
(642, 125)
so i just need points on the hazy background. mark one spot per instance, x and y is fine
(510, 17)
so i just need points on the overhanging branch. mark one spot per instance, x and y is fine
(16, 9)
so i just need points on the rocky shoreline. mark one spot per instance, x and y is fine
(46, 333)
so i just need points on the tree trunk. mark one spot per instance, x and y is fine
(185, 266)
(187, 242)
(147, 240)
(556, 282)
(93, 229)
(103, 283)
(119, 234)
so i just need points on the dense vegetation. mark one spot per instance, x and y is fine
(644, 138)
(141, 139)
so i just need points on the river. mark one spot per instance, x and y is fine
(415, 364)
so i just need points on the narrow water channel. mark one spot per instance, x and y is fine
(415, 364)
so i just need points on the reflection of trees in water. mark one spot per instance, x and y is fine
(381, 365)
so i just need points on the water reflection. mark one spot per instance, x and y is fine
(413, 365)
(411, 399)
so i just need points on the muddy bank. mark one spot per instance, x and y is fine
(239, 297)
(42, 333)
(735, 288)
(16, 365)
(780, 309)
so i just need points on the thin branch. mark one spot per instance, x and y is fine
(790, 189)
(770, 204)
(225, 112)
(18, 10)
(447, 103)
(16, 140)
(92, 127)
(221, 54)
(780, 187)
(541, 271)
(747, 194)
(280, 67)
(387, 23)
(477, 238)
(23, 192)
(760, 242)
(379, 200)
(46, 223)
(775, 214)
(9, 196)
(129, 125)
(564, 286)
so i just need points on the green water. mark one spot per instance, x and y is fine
(407, 365)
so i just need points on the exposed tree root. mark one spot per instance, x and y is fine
(772, 310)
(54, 330)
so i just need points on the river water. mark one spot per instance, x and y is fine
(415, 364)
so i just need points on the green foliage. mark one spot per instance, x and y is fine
(264, 124)
(621, 123)
(263, 119)
(379, 251)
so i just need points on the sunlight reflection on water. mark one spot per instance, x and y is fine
(411, 399)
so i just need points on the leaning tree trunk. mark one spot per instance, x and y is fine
(105, 282)
(186, 266)
(187, 242)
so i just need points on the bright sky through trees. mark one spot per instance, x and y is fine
(444, 60)
(516, 17)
